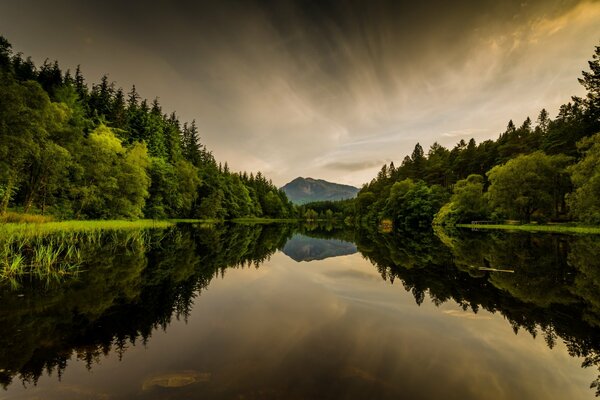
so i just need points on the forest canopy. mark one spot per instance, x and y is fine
(542, 171)
(77, 151)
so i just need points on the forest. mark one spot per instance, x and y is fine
(543, 171)
(73, 151)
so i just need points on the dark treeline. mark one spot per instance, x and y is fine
(75, 151)
(326, 210)
(547, 170)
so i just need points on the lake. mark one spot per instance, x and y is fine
(309, 312)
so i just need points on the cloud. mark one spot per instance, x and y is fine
(298, 88)
(353, 166)
(469, 132)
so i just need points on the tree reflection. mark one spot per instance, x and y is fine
(129, 290)
(125, 293)
(553, 289)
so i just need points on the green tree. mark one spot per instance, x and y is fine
(27, 119)
(413, 204)
(528, 185)
(467, 203)
(112, 181)
(584, 202)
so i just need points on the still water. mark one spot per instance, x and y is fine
(286, 312)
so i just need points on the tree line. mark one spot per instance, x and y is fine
(75, 151)
(547, 170)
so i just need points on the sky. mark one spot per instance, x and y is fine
(322, 88)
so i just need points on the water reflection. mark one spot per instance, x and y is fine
(305, 248)
(252, 333)
(124, 295)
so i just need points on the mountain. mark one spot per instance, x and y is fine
(306, 190)
(304, 248)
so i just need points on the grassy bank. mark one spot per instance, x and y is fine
(53, 250)
(43, 229)
(589, 230)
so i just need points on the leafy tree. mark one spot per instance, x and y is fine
(529, 184)
(584, 202)
(27, 118)
(113, 181)
(311, 215)
(467, 203)
(413, 204)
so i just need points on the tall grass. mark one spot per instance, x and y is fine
(44, 229)
(20, 218)
(55, 249)
(556, 228)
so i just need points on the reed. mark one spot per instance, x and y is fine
(55, 249)
(42, 229)
(14, 217)
(554, 228)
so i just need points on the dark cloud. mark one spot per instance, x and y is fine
(297, 88)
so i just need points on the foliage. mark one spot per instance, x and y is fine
(528, 185)
(75, 152)
(467, 203)
(584, 201)
(524, 170)
(413, 204)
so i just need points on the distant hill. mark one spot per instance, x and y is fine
(306, 190)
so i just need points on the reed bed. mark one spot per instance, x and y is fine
(44, 229)
(15, 217)
(56, 249)
(556, 228)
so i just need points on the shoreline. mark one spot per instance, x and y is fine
(588, 230)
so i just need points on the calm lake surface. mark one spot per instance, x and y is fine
(287, 312)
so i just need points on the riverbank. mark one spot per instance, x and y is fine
(45, 228)
(556, 228)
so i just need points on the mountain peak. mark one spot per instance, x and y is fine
(305, 190)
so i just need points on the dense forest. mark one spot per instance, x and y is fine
(543, 171)
(74, 151)
(79, 152)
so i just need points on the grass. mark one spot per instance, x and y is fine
(37, 246)
(15, 217)
(52, 250)
(43, 229)
(557, 228)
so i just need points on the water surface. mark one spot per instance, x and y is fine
(238, 312)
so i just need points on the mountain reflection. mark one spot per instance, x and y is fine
(127, 292)
(304, 248)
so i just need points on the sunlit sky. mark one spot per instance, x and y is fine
(326, 89)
